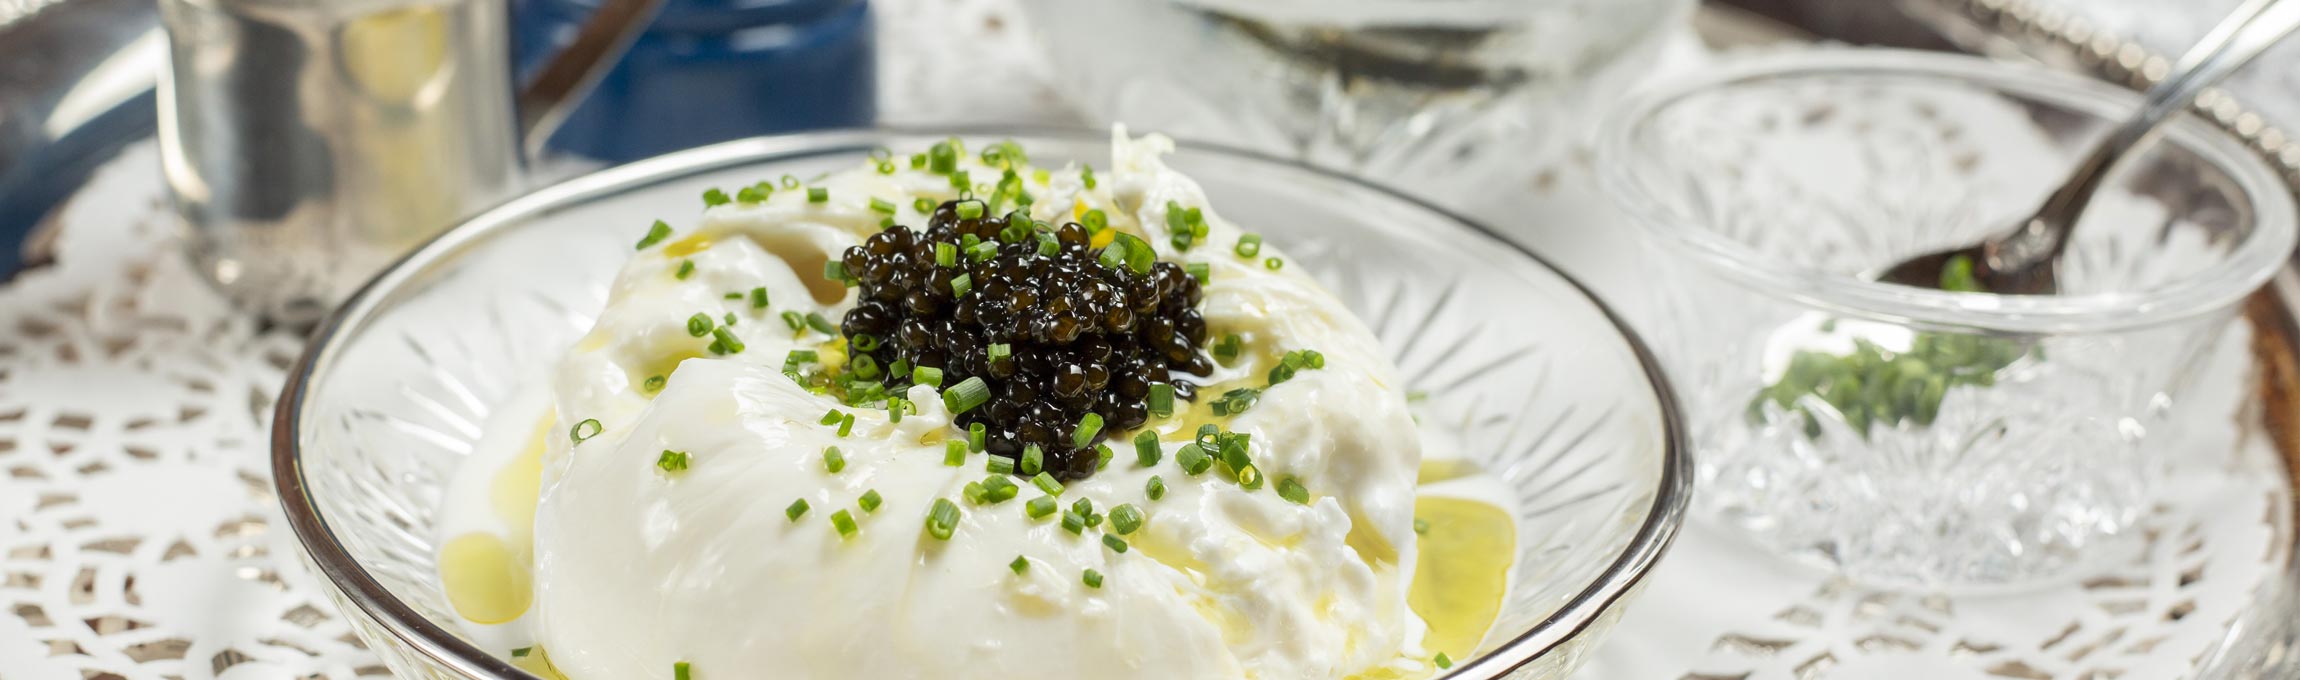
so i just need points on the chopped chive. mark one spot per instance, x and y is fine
(796, 321)
(1020, 565)
(835, 270)
(1226, 348)
(682, 671)
(1033, 460)
(954, 453)
(672, 461)
(970, 210)
(1092, 578)
(1126, 518)
(1114, 255)
(977, 437)
(886, 167)
(844, 522)
(797, 509)
(975, 493)
(1040, 507)
(522, 652)
(847, 425)
(752, 195)
(1089, 426)
(999, 465)
(1199, 270)
(1094, 221)
(732, 296)
(1443, 661)
(917, 160)
(821, 325)
(790, 181)
(1102, 456)
(1115, 543)
(960, 284)
(864, 342)
(1000, 350)
(1274, 264)
(1235, 401)
(654, 384)
(999, 489)
(729, 319)
(586, 429)
(1086, 175)
(1084, 507)
(870, 501)
(1155, 488)
(818, 194)
(1250, 477)
(714, 197)
(833, 461)
(1293, 491)
(882, 205)
(1161, 400)
(686, 269)
(863, 367)
(1249, 245)
(831, 418)
(1193, 460)
(945, 255)
(1045, 482)
(1182, 240)
(961, 180)
(1073, 523)
(726, 341)
(655, 234)
(1236, 449)
(926, 375)
(966, 395)
(699, 325)
(942, 520)
(1146, 449)
(894, 408)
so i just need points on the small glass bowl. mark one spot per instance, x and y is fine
(1921, 436)
(1536, 378)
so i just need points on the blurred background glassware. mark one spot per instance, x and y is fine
(712, 70)
(308, 143)
(1983, 439)
(383, 406)
(1452, 99)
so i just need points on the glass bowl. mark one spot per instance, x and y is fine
(1922, 436)
(1457, 100)
(1538, 379)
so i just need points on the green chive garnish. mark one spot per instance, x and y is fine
(522, 652)
(1045, 482)
(1226, 348)
(726, 341)
(970, 210)
(1274, 264)
(844, 522)
(1020, 565)
(714, 197)
(820, 324)
(1155, 488)
(1094, 221)
(682, 671)
(1293, 491)
(1193, 460)
(924, 206)
(882, 205)
(672, 461)
(700, 325)
(942, 519)
(1421, 526)
(999, 465)
(954, 453)
(797, 509)
(1073, 523)
(752, 195)
(1000, 350)
(585, 430)
(966, 395)
(869, 501)
(1086, 175)
(1115, 543)
(999, 489)
(796, 321)
(655, 234)
(654, 384)
(975, 493)
(831, 418)
(926, 375)
(847, 425)
(977, 437)
(834, 270)
(1102, 456)
(833, 461)
(1249, 245)
(1092, 578)
(1040, 507)
(1085, 508)
(686, 269)
(1146, 449)
(960, 284)
(1199, 270)
(1161, 400)
(1089, 426)
(1443, 661)
(945, 255)
(1033, 460)
(1126, 518)
(818, 195)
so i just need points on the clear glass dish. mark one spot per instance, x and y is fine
(1537, 378)
(1981, 439)
(1451, 99)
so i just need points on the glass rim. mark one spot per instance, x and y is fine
(328, 554)
(2260, 254)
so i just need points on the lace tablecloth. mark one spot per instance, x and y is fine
(138, 538)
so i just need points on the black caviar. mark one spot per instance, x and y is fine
(1078, 336)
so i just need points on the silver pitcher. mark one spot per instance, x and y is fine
(307, 143)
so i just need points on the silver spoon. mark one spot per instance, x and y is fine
(2024, 260)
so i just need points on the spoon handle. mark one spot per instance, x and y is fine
(2251, 29)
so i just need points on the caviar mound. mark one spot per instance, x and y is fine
(1052, 330)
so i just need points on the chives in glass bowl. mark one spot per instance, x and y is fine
(1537, 380)
(1930, 437)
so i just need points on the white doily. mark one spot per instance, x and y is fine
(137, 537)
